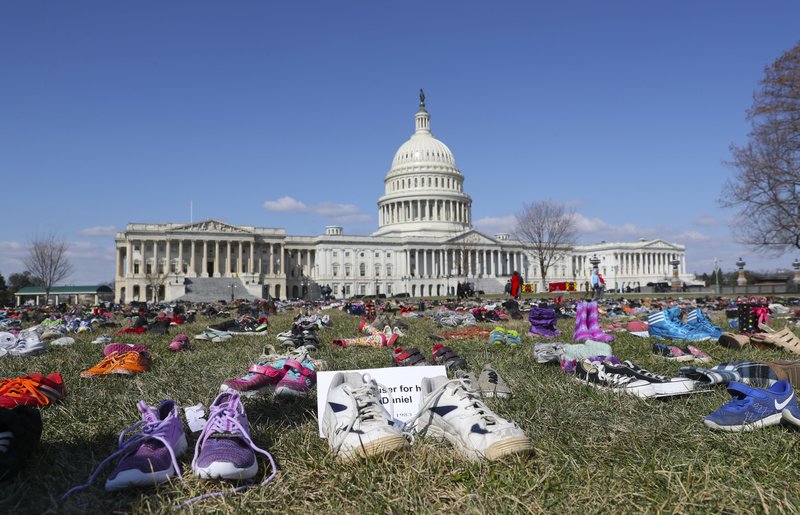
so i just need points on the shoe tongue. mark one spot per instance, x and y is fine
(149, 413)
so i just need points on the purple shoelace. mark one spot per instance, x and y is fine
(223, 419)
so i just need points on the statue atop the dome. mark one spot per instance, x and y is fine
(421, 98)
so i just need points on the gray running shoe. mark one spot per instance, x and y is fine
(492, 385)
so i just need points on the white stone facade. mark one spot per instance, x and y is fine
(424, 246)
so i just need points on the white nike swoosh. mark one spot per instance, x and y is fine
(780, 405)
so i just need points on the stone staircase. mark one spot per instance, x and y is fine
(490, 285)
(212, 289)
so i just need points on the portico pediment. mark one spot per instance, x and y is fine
(210, 226)
(660, 245)
(472, 238)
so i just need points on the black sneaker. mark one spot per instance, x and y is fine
(20, 432)
(597, 375)
(662, 386)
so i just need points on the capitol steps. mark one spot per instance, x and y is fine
(212, 289)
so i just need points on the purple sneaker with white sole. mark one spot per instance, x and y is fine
(148, 457)
(224, 449)
(299, 379)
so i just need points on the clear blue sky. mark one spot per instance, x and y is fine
(119, 112)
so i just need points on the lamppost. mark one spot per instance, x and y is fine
(716, 272)
(796, 266)
(741, 280)
(232, 287)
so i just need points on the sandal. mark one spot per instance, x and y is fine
(443, 355)
(697, 354)
(734, 341)
(784, 339)
(408, 358)
(671, 352)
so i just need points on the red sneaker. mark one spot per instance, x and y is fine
(33, 390)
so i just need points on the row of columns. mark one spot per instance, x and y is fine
(463, 262)
(424, 210)
(203, 246)
(648, 263)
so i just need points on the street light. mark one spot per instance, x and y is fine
(232, 286)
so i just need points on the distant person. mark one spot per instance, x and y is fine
(595, 284)
(508, 287)
(516, 283)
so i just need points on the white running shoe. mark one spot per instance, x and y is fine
(453, 410)
(103, 340)
(27, 344)
(355, 422)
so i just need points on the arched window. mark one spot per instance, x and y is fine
(347, 269)
(362, 269)
(377, 270)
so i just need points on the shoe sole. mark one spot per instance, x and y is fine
(285, 391)
(226, 470)
(379, 447)
(249, 393)
(509, 446)
(771, 420)
(133, 477)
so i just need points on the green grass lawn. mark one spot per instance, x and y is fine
(596, 451)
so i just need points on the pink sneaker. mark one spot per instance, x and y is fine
(298, 381)
(261, 378)
(180, 342)
(121, 348)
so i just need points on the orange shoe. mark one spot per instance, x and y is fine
(128, 363)
(34, 390)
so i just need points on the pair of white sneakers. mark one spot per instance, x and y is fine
(358, 426)
(26, 343)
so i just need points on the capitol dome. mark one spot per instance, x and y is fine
(424, 191)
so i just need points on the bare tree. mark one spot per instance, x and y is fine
(548, 229)
(766, 188)
(47, 260)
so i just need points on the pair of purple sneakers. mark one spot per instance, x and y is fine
(224, 449)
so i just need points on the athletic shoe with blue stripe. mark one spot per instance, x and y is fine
(453, 410)
(661, 325)
(696, 319)
(754, 408)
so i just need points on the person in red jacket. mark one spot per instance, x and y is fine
(516, 281)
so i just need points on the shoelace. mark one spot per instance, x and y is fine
(366, 404)
(21, 387)
(645, 372)
(463, 392)
(112, 360)
(5, 440)
(223, 419)
(149, 430)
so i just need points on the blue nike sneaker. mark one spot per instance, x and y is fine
(754, 408)
(696, 319)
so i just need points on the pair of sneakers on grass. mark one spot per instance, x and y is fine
(358, 426)
(148, 451)
(291, 374)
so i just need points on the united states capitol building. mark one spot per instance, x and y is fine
(424, 246)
